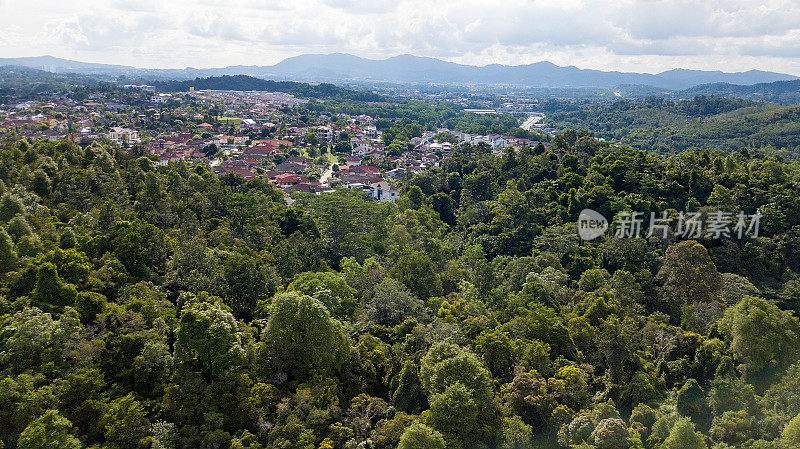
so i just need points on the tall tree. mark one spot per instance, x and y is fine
(208, 339)
(301, 336)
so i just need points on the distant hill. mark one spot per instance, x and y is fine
(244, 83)
(27, 80)
(58, 65)
(407, 68)
(786, 92)
(339, 67)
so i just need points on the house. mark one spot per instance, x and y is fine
(300, 160)
(248, 123)
(277, 144)
(367, 169)
(361, 150)
(118, 135)
(286, 180)
(383, 191)
(160, 98)
(397, 173)
(258, 152)
(371, 132)
(379, 189)
(325, 134)
(246, 174)
(290, 167)
(431, 159)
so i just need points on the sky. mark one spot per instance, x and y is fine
(632, 35)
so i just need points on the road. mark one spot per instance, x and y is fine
(532, 120)
(324, 178)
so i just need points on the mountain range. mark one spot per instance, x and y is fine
(339, 67)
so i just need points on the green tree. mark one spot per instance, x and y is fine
(81, 400)
(442, 204)
(497, 351)
(301, 336)
(516, 434)
(208, 339)
(691, 401)
(683, 436)
(330, 288)
(453, 413)
(245, 285)
(346, 220)
(89, 305)
(611, 433)
(409, 395)
(10, 206)
(142, 248)
(418, 272)
(446, 363)
(363, 278)
(688, 275)
(49, 431)
(8, 255)
(125, 423)
(790, 436)
(392, 303)
(420, 436)
(416, 196)
(67, 239)
(41, 183)
(18, 228)
(51, 293)
(761, 336)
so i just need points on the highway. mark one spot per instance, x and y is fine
(532, 120)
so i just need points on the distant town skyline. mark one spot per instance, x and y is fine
(640, 36)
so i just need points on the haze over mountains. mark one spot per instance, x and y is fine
(338, 67)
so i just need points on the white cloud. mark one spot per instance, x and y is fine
(644, 35)
(66, 32)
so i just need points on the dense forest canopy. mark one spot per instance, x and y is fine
(167, 307)
(784, 92)
(26, 81)
(665, 126)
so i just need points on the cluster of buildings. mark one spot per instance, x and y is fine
(255, 101)
(497, 142)
(246, 133)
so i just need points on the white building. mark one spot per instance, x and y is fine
(371, 132)
(160, 98)
(325, 134)
(118, 135)
(379, 190)
(383, 191)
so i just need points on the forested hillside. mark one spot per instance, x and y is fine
(664, 126)
(166, 307)
(244, 82)
(26, 81)
(785, 92)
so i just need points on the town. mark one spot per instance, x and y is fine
(254, 133)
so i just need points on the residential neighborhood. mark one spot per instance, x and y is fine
(248, 134)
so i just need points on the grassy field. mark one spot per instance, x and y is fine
(332, 158)
(229, 120)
